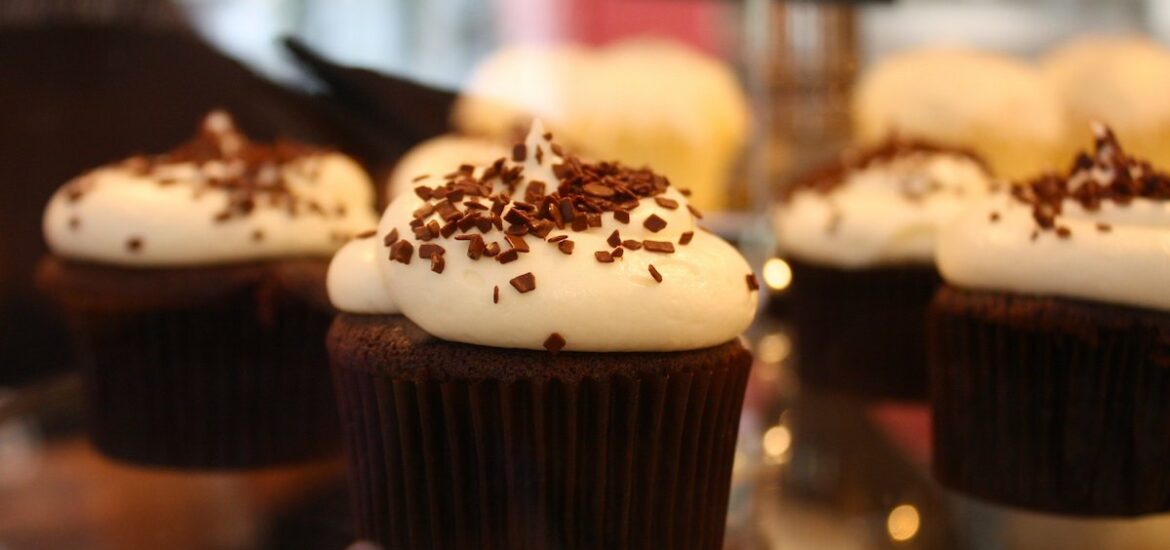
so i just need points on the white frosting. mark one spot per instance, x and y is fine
(886, 213)
(1129, 264)
(703, 299)
(172, 214)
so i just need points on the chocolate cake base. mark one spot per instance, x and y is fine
(461, 446)
(862, 332)
(1051, 404)
(217, 367)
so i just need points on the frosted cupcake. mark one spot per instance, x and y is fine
(194, 281)
(1119, 81)
(542, 352)
(1051, 341)
(859, 236)
(995, 106)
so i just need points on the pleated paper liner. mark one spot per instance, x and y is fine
(1052, 405)
(242, 382)
(862, 332)
(617, 461)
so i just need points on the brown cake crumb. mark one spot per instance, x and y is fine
(655, 274)
(524, 283)
(554, 343)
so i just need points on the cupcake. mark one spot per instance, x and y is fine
(1050, 341)
(540, 353)
(859, 236)
(436, 156)
(195, 283)
(1119, 81)
(676, 109)
(995, 106)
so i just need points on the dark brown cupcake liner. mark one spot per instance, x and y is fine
(862, 332)
(1052, 405)
(617, 461)
(242, 381)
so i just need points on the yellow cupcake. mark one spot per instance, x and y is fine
(1121, 81)
(994, 105)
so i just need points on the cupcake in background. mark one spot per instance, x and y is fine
(1000, 108)
(675, 109)
(859, 236)
(195, 283)
(435, 157)
(1050, 341)
(541, 353)
(1120, 81)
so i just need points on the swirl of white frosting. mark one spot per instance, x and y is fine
(171, 213)
(703, 299)
(885, 213)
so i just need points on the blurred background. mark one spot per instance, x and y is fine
(732, 98)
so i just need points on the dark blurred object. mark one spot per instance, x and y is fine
(81, 94)
(393, 112)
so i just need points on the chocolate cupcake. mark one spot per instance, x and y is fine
(541, 353)
(195, 284)
(859, 237)
(1050, 341)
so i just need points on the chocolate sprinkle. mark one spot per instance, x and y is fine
(134, 244)
(632, 245)
(555, 343)
(654, 273)
(517, 243)
(994, 217)
(495, 294)
(524, 283)
(695, 212)
(1063, 232)
(659, 246)
(519, 152)
(423, 192)
(258, 235)
(618, 252)
(566, 247)
(654, 223)
(614, 239)
(669, 204)
(419, 178)
(402, 251)
(752, 283)
(621, 216)
(603, 257)
(507, 256)
(437, 263)
(390, 238)
(430, 250)
(1104, 227)
(686, 237)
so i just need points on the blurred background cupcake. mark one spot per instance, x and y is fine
(1120, 81)
(994, 105)
(194, 282)
(859, 238)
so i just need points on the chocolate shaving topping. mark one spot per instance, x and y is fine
(614, 239)
(430, 250)
(517, 243)
(655, 274)
(558, 238)
(621, 216)
(566, 247)
(507, 256)
(669, 204)
(603, 256)
(134, 244)
(519, 152)
(495, 294)
(618, 252)
(686, 237)
(524, 283)
(1104, 227)
(402, 251)
(994, 217)
(437, 263)
(695, 212)
(419, 178)
(363, 235)
(492, 250)
(476, 247)
(1109, 175)
(391, 237)
(654, 223)
(632, 245)
(258, 235)
(752, 283)
(658, 246)
(554, 343)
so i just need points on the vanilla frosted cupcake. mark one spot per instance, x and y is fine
(998, 107)
(642, 102)
(859, 236)
(1051, 341)
(1120, 81)
(542, 352)
(195, 283)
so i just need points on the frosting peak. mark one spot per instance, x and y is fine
(543, 250)
(217, 198)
